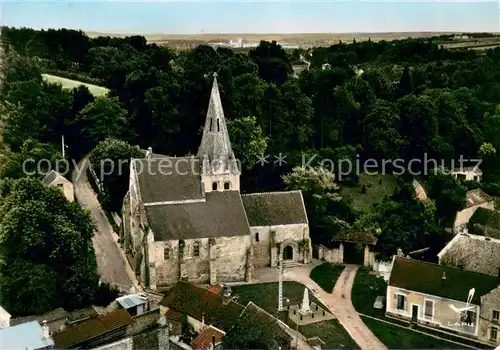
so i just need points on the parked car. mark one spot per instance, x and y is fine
(379, 302)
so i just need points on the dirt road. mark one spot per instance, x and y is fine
(111, 261)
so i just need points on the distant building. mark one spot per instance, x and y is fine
(53, 178)
(468, 173)
(474, 199)
(30, 335)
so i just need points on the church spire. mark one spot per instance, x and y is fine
(215, 143)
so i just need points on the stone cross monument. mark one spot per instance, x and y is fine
(305, 307)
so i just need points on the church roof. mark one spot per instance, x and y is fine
(275, 208)
(168, 178)
(222, 214)
(215, 141)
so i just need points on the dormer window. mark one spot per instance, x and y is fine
(227, 185)
(214, 186)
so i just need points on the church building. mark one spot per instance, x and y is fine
(185, 219)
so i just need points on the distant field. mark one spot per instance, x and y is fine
(315, 39)
(71, 84)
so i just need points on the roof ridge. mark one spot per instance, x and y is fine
(447, 267)
(273, 192)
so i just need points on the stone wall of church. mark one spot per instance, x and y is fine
(228, 257)
(233, 180)
(268, 240)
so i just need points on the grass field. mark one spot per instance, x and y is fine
(399, 338)
(265, 295)
(71, 84)
(375, 190)
(326, 275)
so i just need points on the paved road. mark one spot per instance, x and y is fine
(339, 303)
(111, 261)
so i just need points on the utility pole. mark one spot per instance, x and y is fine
(63, 146)
(280, 285)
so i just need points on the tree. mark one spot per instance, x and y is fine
(48, 259)
(487, 150)
(448, 194)
(110, 159)
(101, 119)
(406, 86)
(319, 191)
(34, 159)
(403, 222)
(248, 140)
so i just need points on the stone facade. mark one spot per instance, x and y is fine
(489, 327)
(194, 225)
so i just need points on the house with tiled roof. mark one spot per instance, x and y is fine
(471, 173)
(97, 331)
(184, 218)
(474, 200)
(448, 298)
(208, 338)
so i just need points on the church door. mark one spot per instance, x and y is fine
(288, 253)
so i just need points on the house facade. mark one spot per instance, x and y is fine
(53, 178)
(474, 199)
(468, 173)
(185, 219)
(440, 296)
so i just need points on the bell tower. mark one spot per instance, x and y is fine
(220, 169)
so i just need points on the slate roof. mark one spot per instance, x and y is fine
(476, 197)
(24, 336)
(427, 278)
(222, 215)
(164, 178)
(215, 140)
(275, 208)
(51, 176)
(262, 325)
(194, 301)
(206, 337)
(83, 332)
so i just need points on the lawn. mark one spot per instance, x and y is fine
(399, 338)
(377, 187)
(265, 295)
(71, 84)
(365, 289)
(325, 275)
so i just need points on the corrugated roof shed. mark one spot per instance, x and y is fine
(131, 300)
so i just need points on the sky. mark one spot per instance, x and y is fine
(238, 16)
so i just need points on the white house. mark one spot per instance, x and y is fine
(468, 173)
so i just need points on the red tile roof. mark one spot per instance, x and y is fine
(206, 337)
(78, 334)
(216, 289)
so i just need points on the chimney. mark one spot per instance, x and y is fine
(45, 330)
(213, 341)
(203, 318)
(444, 276)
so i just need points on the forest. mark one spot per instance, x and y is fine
(405, 99)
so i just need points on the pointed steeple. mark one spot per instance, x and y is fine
(215, 144)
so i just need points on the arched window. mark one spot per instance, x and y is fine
(256, 236)
(196, 249)
(166, 253)
(214, 186)
(227, 185)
